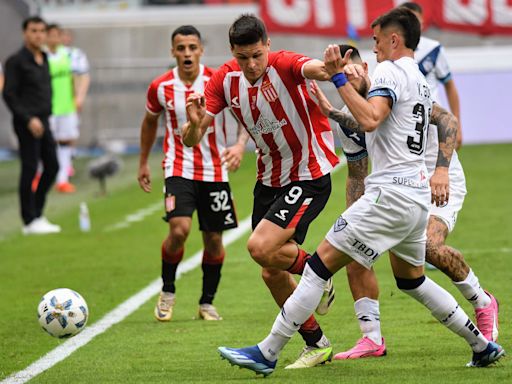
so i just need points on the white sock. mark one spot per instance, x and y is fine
(368, 315)
(471, 290)
(296, 310)
(445, 308)
(64, 157)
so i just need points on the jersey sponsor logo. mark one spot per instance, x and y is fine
(269, 92)
(383, 82)
(235, 103)
(264, 125)
(340, 224)
(407, 182)
(282, 214)
(364, 250)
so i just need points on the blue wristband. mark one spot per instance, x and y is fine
(339, 79)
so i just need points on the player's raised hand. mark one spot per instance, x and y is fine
(440, 186)
(333, 61)
(323, 103)
(354, 71)
(144, 178)
(195, 108)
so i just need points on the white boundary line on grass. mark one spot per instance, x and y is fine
(115, 316)
(129, 306)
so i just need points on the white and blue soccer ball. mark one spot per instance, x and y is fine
(62, 312)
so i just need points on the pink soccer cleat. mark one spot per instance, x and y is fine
(364, 347)
(487, 319)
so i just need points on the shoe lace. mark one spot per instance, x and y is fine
(166, 302)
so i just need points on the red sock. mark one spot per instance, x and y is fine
(310, 325)
(300, 262)
(213, 259)
(172, 258)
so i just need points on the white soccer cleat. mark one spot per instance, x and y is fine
(327, 299)
(164, 306)
(208, 312)
(40, 226)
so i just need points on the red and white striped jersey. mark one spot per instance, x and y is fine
(202, 162)
(294, 140)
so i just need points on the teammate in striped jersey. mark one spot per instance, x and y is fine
(267, 92)
(195, 178)
(392, 214)
(362, 281)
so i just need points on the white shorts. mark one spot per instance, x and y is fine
(65, 127)
(382, 219)
(448, 213)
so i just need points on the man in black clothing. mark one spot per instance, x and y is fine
(27, 93)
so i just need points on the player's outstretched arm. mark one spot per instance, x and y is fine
(315, 70)
(148, 131)
(368, 113)
(198, 121)
(447, 125)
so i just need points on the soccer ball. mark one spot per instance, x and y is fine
(62, 312)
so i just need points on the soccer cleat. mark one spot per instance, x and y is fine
(488, 356)
(312, 356)
(327, 299)
(250, 358)
(487, 319)
(66, 188)
(208, 312)
(40, 226)
(365, 347)
(163, 308)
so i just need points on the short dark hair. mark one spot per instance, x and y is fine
(406, 21)
(355, 55)
(247, 29)
(49, 27)
(186, 30)
(412, 6)
(32, 20)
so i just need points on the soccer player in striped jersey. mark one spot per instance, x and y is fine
(442, 219)
(195, 178)
(393, 212)
(267, 93)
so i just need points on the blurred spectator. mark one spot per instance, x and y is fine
(28, 95)
(69, 70)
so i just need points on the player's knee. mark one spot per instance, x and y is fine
(259, 251)
(213, 242)
(178, 235)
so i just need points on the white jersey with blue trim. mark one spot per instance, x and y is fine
(397, 147)
(431, 58)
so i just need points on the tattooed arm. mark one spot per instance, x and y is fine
(447, 126)
(346, 120)
(357, 171)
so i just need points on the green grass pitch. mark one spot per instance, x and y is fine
(107, 267)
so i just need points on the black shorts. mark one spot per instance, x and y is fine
(295, 205)
(213, 201)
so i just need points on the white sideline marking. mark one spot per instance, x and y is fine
(116, 315)
(126, 308)
(134, 217)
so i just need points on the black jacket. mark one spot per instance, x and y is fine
(28, 88)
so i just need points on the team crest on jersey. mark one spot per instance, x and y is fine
(340, 224)
(269, 92)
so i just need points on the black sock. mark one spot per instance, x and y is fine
(311, 337)
(169, 276)
(211, 279)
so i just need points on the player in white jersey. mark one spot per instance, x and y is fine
(392, 214)
(362, 281)
(433, 63)
(267, 93)
(195, 178)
